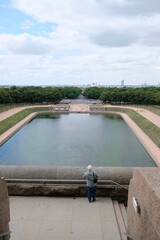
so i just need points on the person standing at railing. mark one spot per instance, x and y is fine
(91, 180)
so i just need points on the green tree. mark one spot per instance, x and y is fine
(5, 96)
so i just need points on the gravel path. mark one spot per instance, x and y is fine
(13, 111)
(152, 117)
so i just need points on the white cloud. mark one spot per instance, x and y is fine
(27, 24)
(107, 67)
(24, 44)
(95, 40)
(107, 23)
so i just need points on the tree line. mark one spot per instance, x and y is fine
(37, 94)
(147, 96)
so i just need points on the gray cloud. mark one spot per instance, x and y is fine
(151, 39)
(141, 7)
(124, 38)
(130, 7)
(113, 38)
(123, 32)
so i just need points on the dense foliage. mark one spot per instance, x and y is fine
(37, 94)
(148, 95)
(71, 92)
(93, 92)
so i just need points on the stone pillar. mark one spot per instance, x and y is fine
(4, 210)
(144, 221)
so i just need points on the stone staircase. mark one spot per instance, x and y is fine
(121, 217)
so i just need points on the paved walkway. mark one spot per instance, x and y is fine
(39, 218)
(79, 108)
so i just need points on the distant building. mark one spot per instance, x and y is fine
(144, 85)
(122, 83)
(94, 85)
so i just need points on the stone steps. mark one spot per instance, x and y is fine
(121, 217)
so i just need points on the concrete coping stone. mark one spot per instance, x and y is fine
(150, 175)
(121, 175)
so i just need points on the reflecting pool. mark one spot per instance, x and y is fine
(75, 140)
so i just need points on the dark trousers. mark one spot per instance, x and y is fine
(91, 193)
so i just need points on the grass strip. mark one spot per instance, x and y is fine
(151, 130)
(152, 108)
(11, 121)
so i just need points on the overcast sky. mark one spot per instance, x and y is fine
(50, 42)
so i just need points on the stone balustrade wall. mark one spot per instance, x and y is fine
(145, 188)
(65, 181)
(121, 175)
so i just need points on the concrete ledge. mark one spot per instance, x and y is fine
(121, 175)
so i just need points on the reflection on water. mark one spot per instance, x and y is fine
(75, 140)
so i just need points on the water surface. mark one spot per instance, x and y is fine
(75, 140)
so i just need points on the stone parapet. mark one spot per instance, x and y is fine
(66, 181)
(145, 188)
(121, 175)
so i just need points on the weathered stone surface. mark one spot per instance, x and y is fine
(69, 190)
(14, 172)
(71, 173)
(118, 174)
(4, 207)
(121, 175)
(145, 187)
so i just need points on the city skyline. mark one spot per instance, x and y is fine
(79, 43)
